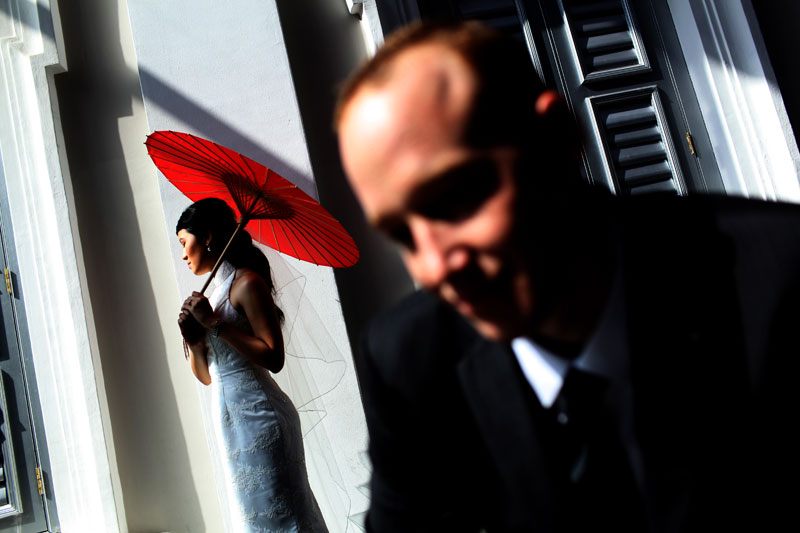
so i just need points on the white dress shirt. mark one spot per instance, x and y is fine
(605, 354)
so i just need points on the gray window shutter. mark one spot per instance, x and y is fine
(619, 64)
(25, 504)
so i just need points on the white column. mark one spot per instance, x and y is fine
(62, 343)
(743, 110)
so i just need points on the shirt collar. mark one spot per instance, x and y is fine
(544, 370)
(605, 353)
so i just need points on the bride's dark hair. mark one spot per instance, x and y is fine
(213, 217)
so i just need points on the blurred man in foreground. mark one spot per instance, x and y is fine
(576, 361)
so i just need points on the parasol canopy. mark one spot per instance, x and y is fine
(274, 211)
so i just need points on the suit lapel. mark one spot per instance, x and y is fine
(496, 396)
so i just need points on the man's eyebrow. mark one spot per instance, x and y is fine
(458, 191)
(451, 194)
(442, 183)
(434, 187)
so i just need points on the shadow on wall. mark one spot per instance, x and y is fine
(319, 66)
(151, 453)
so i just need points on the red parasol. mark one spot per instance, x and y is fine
(275, 211)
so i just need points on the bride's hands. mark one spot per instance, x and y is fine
(197, 305)
(193, 311)
(191, 330)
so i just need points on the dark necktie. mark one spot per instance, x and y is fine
(592, 469)
(577, 409)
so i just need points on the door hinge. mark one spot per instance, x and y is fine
(8, 282)
(39, 481)
(691, 143)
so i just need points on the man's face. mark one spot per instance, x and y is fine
(453, 209)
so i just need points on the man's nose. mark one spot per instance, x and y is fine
(436, 253)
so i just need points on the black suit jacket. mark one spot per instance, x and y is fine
(712, 291)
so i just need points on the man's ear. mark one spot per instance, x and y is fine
(559, 133)
(548, 102)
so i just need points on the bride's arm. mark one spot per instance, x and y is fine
(198, 360)
(195, 337)
(251, 296)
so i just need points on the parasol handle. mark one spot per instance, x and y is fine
(242, 222)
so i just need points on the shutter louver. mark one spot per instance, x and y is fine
(604, 38)
(639, 156)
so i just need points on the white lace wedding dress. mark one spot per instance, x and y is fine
(259, 432)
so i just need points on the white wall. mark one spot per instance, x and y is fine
(220, 70)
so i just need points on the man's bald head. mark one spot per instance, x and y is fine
(506, 85)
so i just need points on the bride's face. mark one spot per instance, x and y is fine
(195, 253)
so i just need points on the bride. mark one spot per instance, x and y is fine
(232, 337)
